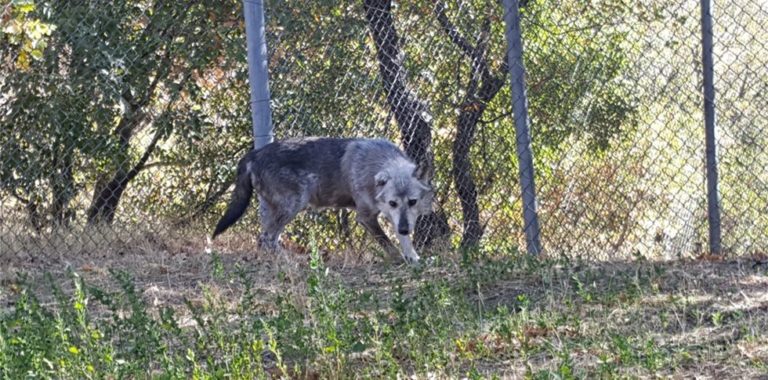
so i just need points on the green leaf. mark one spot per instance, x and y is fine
(36, 54)
(22, 61)
(358, 347)
(24, 6)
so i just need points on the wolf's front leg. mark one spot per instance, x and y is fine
(371, 224)
(409, 253)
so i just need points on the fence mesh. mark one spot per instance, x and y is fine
(125, 119)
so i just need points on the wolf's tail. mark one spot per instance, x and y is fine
(241, 198)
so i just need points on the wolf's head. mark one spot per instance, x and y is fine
(402, 195)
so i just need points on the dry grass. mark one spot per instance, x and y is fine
(694, 318)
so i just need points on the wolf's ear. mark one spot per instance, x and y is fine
(381, 178)
(428, 198)
(420, 173)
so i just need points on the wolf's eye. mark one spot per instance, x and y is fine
(412, 202)
(393, 204)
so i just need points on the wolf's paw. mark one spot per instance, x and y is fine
(412, 259)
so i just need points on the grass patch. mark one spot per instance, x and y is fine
(479, 318)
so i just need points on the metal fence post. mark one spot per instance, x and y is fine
(713, 200)
(522, 125)
(258, 72)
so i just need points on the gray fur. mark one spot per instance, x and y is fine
(372, 176)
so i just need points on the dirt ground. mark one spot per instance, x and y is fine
(170, 271)
(735, 289)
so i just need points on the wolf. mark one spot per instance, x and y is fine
(371, 176)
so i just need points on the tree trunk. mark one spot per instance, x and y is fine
(469, 116)
(63, 188)
(108, 191)
(481, 89)
(463, 180)
(107, 196)
(33, 210)
(405, 105)
(407, 108)
(63, 192)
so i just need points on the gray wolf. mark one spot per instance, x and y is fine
(372, 176)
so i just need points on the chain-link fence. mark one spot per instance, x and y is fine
(125, 119)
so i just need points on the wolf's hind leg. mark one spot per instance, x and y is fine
(281, 208)
(270, 228)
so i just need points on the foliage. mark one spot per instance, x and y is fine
(152, 98)
(109, 76)
(482, 319)
(27, 36)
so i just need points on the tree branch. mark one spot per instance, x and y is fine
(451, 30)
(475, 53)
